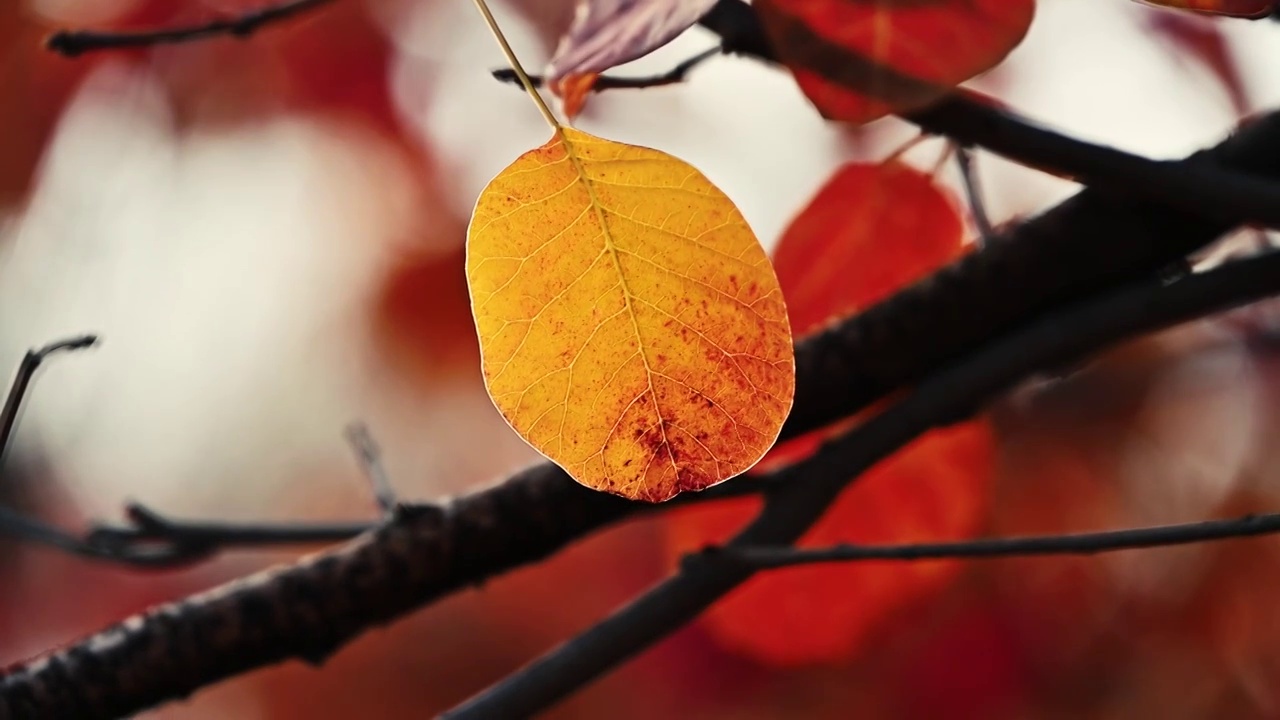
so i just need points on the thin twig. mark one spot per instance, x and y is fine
(370, 458)
(973, 191)
(150, 539)
(674, 76)
(31, 362)
(806, 489)
(157, 541)
(71, 43)
(763, 558)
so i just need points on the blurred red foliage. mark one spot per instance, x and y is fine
(1183, 633)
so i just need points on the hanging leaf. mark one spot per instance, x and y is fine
(858, 60)
(1232, 8)
(631, 327)
(606, 33)
(869, 231)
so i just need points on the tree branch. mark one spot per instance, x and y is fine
(150, 540)
(674, 76)
(31, 362)
(156, 541)
(806, 489)
(764, 558)
(1091, 241)
(1094, 241)
(71, 43)
(309, 609)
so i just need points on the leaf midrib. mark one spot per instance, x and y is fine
(626, 291)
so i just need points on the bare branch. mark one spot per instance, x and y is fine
(1097, 240)
(674, 76)
(156, 541)
(150, 539)
(763, 558)
(309, 609)
(370, 458)
(71, 43)
(806, 489)
(1089, 242)
(1196, 188)
(31, 362)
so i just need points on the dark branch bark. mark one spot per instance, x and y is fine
(1094, 241)
(309, 609)
(306, 610)
(152, 540)
(806, 489)
(31, 361)
(764, 558)
(76, 42)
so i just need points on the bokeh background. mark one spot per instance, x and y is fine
(268, 235)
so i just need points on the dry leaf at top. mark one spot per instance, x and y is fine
(858, 60)
(606, 33)
(1232, 8)
(631, 327)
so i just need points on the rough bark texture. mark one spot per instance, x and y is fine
(309, 609)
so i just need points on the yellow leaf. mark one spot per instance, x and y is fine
(631, 327)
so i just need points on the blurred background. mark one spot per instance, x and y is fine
(268, 235)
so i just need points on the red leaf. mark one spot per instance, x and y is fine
(869, 231)
(858, 60)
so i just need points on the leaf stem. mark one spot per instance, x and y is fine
(489, 20)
